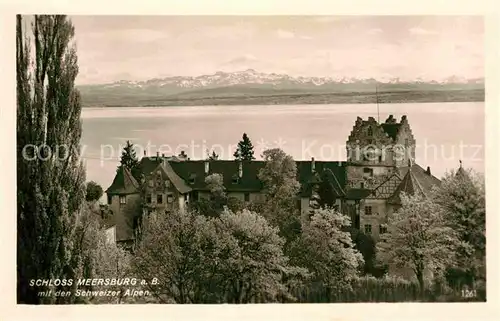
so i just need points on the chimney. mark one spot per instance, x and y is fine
(207, 167)
(157, 155)
(162, 155)
(404, 119)
(144, 152)
(428, 171)
(240, 169)
(313, 165)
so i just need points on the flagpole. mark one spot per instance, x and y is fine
(378, 112)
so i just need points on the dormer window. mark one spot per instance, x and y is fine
(370, 131)
(236, 179)
(192, 178)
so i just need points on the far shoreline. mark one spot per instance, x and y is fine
(431, 96)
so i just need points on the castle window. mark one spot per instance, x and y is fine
(380, 159)
(383, 229)
(110, 199)
(368, 210)
(361, 185)
(370, 131)
(368, 229)
(247, 197)
(368, 172)
(159, 198)
(148, 199)
(170, 198)
(123, 199)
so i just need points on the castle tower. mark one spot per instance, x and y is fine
(374, 150)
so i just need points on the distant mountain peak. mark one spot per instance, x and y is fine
(250, 76)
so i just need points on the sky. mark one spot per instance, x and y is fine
(112, 48)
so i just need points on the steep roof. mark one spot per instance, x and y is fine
(187, 175)
(462, 173)
(415, 181)
(428, 181)
(193, 173)
(177, 181)
(357, 193)
(308, 178)
(123, 183)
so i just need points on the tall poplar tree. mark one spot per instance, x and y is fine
(50, 175)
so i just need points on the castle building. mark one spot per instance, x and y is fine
(367, 186)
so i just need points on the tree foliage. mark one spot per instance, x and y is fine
(177, 249)
(50, 180)
(244, 151)
(94, 192)
(256, 266)
(328, 251)
(281, 187)
(419, 238)
(231, 258)
(462, 198)
(98, 257)
(217, 200)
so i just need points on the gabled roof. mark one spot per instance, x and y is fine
(416, 181)
(172, 176)
(428, 181)
(387, 187)
(123, 183)
(307, 177)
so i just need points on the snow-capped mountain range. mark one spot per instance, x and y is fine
(250, 85)
(252, 77)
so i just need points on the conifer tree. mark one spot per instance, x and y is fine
(244, 150)
(50, 175)
(130, 161)
(212, 156)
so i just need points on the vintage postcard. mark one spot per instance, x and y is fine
(244, 160)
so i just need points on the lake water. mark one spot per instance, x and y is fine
(445, 132)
